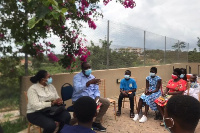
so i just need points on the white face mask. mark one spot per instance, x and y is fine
(152, 74)
(126, 76)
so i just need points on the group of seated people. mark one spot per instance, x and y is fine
(43, 97)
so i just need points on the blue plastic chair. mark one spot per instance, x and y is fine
(66, 94)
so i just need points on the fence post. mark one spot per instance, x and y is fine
(178, 51)
(165, 51)
(188, 53)
(107, 46)
(144, 48)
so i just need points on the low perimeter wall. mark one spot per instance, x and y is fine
(110, 76)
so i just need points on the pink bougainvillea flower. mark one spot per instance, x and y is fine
(105, 2)
(92, 24)
(63, 27)
(1, 35)
(53, 57)
(129, 4)
(50, 8)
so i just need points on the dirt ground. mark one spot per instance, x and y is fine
(124, 124)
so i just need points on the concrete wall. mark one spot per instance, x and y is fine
(110, 76)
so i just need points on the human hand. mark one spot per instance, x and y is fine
(59, 101)
(125, 93)
(95, 81)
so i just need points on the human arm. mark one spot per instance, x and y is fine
(157, 86)
(147, 87)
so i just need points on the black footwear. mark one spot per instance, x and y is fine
(118, 113)
(98, 127)
(156, 116)
(131, 114)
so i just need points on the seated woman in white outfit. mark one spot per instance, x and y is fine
(194, 88)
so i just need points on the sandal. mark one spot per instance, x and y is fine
(118, 113)
(131, 114)
(162, 124)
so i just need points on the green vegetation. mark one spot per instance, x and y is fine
(14, 126)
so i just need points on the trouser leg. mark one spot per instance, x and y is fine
(104, 107)
(63, 118)
(43, 121)
(131, 96)
(121, 96)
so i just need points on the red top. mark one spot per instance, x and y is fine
(180, 85)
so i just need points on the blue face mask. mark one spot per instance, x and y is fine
(88, 72)
(126, 76)
(152, 74)
(182, 76)
(49, 81)
(168, 128)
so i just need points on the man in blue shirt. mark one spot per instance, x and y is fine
(128, 88)
(85, 109)
(85, 84)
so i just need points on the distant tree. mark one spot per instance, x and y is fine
(179, 45)
(198, 43)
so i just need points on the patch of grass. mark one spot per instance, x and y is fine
(8, 115)
(15, 126)
(9, 99)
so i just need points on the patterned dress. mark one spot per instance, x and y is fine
(149, 99)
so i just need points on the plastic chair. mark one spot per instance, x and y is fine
(29, 124)
(102, 88)
(66, 94)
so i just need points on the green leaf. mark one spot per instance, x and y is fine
(42, 11)
(32, 22)
(46, 3)
(56, 8)
(53, 2)
(55, 14)
(48, 21)
(29, 1)
(64, 10)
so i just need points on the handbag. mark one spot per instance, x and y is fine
(53, 110)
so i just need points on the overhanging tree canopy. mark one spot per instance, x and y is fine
(27, 22)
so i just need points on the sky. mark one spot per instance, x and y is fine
(175, 19)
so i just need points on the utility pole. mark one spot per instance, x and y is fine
(107, 46)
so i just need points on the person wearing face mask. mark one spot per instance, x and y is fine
(42, 94)
(128, 88)
(175, 86)
(152, 92)
(183, 74)
(182, 114)
(194, 88)
(85, 84)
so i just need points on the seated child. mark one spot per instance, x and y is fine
(128, 88)
(84, 110)
(194, 88)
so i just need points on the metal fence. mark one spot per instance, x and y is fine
(132, 46)
(128, 47)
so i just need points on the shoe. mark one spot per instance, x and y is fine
(98, 127)
(131, 114)
(143, 119)
(136, 117)
(156, 116)
(118, 113)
